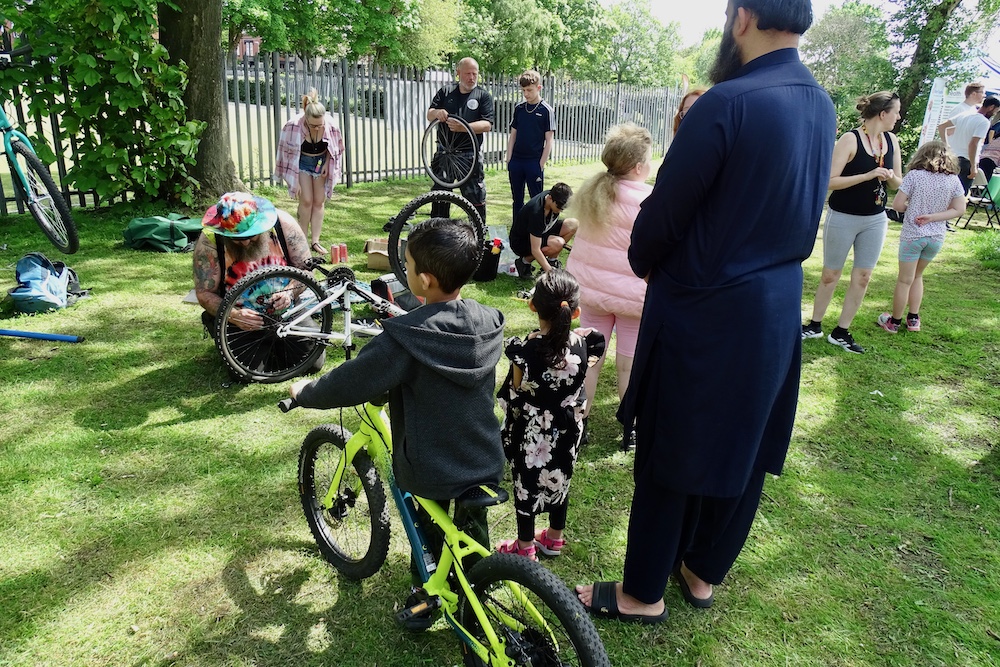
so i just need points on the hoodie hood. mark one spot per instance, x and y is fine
(461, 340)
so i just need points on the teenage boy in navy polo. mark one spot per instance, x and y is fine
(532, 134)
(475, 105)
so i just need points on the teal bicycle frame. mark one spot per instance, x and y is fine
(375, 437)
(9, 130)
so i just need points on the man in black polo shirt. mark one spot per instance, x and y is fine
(538, 233)
(466, 99)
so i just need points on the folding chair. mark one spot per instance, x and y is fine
(988, 201)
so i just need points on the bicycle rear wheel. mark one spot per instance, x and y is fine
(418, 210)
(449, 157)
(43, 199)
(513, 590)
(352, 534)
(261, 355)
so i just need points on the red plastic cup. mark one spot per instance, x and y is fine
(343, 252)
(334, 253)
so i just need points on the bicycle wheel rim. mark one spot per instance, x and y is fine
(449, 157)
(264, 355)
(353, 532)
(418, 210)
(43, 200)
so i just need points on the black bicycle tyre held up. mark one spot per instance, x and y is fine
(367, 556)
(554, 601)
(261, 356)
(401, 225)
(55, 220)
(447, 162)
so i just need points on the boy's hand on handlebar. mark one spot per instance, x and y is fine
(296, 387)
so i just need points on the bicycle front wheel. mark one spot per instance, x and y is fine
(278, 295)
(422, 208)
(540, 619)
(449, 157)
(353, 532)
(43, 199)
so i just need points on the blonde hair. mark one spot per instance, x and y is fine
(934, 157)
(311, 104)
(625, 146)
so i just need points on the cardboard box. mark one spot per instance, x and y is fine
(377, 251)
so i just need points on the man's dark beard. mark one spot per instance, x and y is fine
(728, 60)
(256, 249)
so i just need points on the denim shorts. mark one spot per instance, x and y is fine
(925, 248)
(311, 165)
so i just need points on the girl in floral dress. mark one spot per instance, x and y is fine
(543, 400)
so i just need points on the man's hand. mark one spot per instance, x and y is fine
(438, 114)
(246, 319)
(455, 125)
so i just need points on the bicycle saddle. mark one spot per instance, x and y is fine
(482, 495)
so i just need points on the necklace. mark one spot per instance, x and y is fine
(532, 110)
(880, 154)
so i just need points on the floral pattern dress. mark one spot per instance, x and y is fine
(544, 418)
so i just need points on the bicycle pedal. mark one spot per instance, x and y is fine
(418, 616)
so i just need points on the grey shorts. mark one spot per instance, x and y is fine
(842, 231)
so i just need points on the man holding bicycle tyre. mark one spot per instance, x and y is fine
(466, 99)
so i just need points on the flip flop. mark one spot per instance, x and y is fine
(700, 603)
(604, 604)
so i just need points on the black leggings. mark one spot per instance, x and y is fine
(526, 522)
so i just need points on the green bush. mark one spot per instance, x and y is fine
(986, 248)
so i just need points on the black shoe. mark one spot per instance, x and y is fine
(523, 268)
(812, 331)
(555, 263)
(844, 339)
(584, 436)
(947, 225)
(628, 439)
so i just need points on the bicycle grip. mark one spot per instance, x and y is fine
(287, 404)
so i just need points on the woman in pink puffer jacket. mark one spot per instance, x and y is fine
(611, 296)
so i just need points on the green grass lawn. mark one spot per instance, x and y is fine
(150, 511)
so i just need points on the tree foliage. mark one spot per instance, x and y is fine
(116, 95)
(509, 35)
(428, 40)
(848, 52)
(634, 47)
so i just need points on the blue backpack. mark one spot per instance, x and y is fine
(44, 285)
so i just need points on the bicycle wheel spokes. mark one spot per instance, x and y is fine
(43, 199)
(539, 619)
(449, 157)
(270, 349)
(349, 520)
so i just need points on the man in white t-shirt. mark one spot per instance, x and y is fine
(964, 135)
(975, 93)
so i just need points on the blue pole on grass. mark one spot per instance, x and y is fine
(41, 336)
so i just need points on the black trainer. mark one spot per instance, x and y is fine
(555, 263)
(523, 268)
(845, 340)
(812, 331)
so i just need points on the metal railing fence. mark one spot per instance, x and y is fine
(381, 112)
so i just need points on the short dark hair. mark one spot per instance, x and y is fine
(991, 102)
(560, 193)
(446, 248)
(784, 15)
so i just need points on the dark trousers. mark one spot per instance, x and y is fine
(964, 167)
(667, 527)
(523, 173)
(526, 522)
(474, 190)
(987, 166)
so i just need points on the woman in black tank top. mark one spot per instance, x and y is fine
(866, 163)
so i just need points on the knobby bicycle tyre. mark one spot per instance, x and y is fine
(419, 209)
(576, 641)
(261, 355)
(353, 535)
(449, 158)
(43, 199)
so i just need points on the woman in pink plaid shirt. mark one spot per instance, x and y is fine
(308, 161)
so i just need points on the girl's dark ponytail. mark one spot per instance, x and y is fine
(557, 295)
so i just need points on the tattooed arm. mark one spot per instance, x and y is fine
(295, 238)
(207, 275)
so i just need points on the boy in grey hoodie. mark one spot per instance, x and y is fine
(438, 364)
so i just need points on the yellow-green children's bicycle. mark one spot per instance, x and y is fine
(506, 610)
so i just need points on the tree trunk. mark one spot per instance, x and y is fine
(193, 34)
(922, 64)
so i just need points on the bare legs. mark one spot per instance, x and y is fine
(623, 366)
(852, 300)
(312, 201)
(909, 287)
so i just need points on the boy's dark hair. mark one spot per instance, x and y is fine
(991, 102)
(556, 296)
(446, 248)
(560, 194)
(784, 15)
(529, 78)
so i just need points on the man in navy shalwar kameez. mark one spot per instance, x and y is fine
(721, 241)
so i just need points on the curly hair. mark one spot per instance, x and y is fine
(934, 157)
